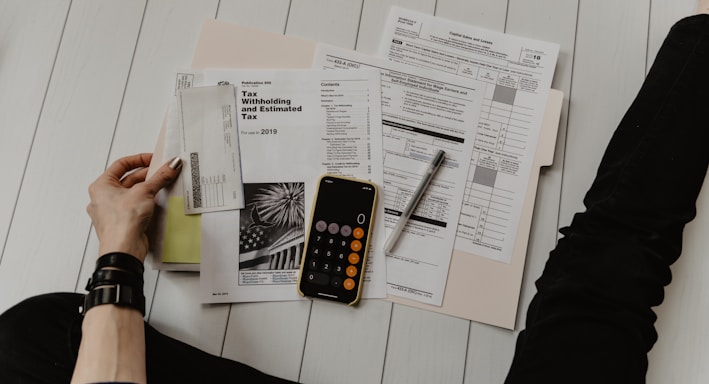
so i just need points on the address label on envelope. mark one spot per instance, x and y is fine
(209, 148)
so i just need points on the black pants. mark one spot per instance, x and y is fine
(591, 320)
(39, 342)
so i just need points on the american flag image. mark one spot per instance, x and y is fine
(271, 227)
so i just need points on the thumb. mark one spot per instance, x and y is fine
(164, 176)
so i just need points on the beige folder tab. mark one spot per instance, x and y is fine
(226, 45)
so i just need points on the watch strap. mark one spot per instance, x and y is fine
(112, 277)
(121, 261)
(121, 295)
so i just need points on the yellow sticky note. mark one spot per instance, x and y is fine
(183, 234)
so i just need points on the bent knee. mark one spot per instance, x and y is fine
(39, 338)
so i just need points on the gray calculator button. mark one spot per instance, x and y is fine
(346, 230)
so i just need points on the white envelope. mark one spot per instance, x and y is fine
(209, 142)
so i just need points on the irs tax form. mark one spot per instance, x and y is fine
(422, 111)
(517, 75)
(294, 125)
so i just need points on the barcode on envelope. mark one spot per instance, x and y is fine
(196, 187)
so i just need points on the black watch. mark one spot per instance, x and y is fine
(121, 295)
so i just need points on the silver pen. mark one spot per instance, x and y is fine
(411, 206)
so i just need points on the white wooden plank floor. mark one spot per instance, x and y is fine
(83, 82)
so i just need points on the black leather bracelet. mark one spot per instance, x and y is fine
(112, 277)
(121, 295)
(121, 261)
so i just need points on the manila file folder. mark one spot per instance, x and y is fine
(477, 289)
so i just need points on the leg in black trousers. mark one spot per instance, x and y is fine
(591, 320)
(40, 337)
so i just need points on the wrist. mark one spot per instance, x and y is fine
(122, 238)
(128, 247)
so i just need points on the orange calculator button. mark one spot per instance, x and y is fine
(349, 284)
(356, 245)
(353, 258)
(351, 271)
(358, 233)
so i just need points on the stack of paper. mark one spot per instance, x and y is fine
(479, 95)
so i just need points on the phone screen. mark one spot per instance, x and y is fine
(337, 243)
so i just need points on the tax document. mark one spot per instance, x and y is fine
(517, 74)
(294, 126)
(422, 111)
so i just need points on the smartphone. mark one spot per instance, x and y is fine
(337, 241)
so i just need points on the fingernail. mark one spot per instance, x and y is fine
(175, 163)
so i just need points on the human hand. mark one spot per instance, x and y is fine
(123, 201)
